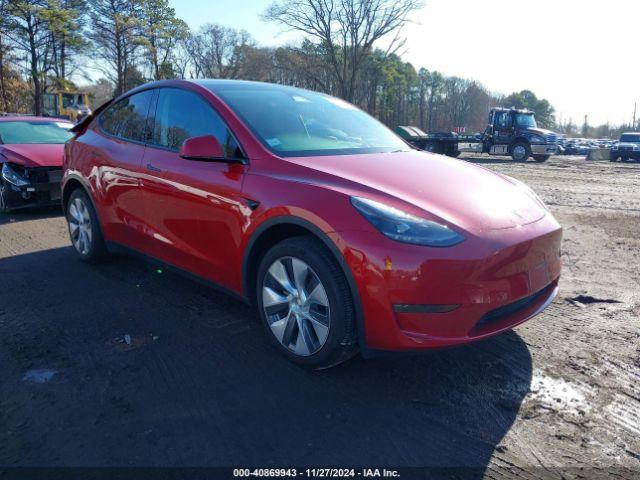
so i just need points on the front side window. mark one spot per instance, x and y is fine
(181, 114)
(127, 118)
(25, 132)
(292, 122)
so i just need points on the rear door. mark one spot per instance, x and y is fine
(194, 209)
(115, 151)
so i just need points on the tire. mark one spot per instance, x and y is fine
(3, 197)
(520, 151)
(84, 229)
(317, 333)
(541, 158)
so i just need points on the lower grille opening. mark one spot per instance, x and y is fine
(506, 310)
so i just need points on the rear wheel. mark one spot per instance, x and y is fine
(305, 303)
(520, 151)
(541, 158)
(84, 228)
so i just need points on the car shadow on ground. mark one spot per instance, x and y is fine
(30, 214)
(152, 369)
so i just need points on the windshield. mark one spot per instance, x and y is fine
(71, 100)
(34, 132)
(630, 138)
(293, 122)
(525, 120)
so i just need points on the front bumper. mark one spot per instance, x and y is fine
(543, 149)
(43, 189)
(488, 285)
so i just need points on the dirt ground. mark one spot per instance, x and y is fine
(123, 364)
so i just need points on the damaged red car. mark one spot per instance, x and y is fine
(342, 236)
(31, 159)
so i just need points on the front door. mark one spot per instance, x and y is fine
(194, 209)
(116, 147)
(503, 128)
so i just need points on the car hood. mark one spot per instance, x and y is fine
(34, 155)
(539, 131)
(458, 192)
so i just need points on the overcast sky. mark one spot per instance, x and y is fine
(583, 56)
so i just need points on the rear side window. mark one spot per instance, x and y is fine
(181, 114)
(503, 120)
(127, 118)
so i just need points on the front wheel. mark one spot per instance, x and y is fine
(84, 229)
(305, 303)
(541, 158)
(520, 151)
(4, 207)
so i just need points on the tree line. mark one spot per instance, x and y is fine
(55, 44)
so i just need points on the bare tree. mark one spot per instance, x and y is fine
(346, 29)
(219, 52)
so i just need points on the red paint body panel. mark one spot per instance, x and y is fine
(195, 215)
(34, 155)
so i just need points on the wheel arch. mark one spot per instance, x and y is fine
(72, 183)
(519, 140)
(279, 228)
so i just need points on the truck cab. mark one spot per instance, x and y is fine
(515, 132)
(66, 104)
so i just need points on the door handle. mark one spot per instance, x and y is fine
(152, 168)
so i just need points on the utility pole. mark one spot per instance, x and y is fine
(635, 106)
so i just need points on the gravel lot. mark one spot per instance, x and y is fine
(197, 384)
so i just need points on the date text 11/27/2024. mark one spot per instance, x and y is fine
(316, 472)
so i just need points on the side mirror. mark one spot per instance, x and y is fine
(206, 147)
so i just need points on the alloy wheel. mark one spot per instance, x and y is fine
(3, 192)
(296, 306)
(519, 152)
(80, 226)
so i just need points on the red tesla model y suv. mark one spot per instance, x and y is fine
(342, 236)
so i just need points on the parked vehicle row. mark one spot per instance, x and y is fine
(343, 237)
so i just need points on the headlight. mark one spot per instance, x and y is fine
(11, 175)
(536, 139)
(404, 227)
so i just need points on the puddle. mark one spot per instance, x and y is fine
(39, 375)
(558, 394)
